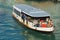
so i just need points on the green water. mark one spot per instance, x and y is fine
(11, 29)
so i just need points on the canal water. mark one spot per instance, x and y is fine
(11, 29)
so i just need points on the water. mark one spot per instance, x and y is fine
(11, 29)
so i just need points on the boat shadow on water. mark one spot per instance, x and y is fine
(35, 35)
(39, 36)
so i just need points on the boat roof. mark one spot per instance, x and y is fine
(31, 11)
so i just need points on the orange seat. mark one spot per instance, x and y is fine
(43, 25)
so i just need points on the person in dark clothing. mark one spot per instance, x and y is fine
(23, 17)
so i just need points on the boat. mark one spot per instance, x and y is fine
(33, 18)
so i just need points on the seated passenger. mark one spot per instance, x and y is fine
(36, 23)
(50, 24)
(43, 24)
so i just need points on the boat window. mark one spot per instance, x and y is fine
(27, 17)
(41, 18)
(17, 12)
(22, 13)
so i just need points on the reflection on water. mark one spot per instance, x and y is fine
(31, 35)
(13, 30)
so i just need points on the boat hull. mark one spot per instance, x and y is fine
(50, 29)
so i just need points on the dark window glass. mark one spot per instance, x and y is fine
(17, 12)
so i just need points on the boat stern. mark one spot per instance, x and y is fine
(51, 29)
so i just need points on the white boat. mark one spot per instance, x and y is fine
(33, 18)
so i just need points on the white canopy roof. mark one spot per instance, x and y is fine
(31, 11)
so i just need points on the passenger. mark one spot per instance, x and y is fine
(50, 23)
(27, 18)
(23, 17)
(40, 22)
(36, 23)
(43, 24)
